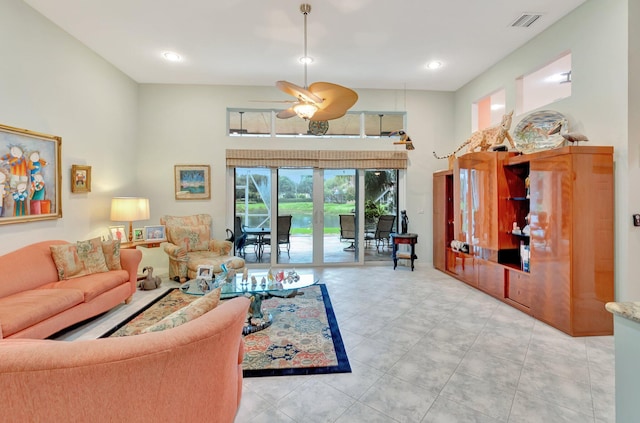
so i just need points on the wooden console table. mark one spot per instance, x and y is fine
(397, 239)
(134, 244)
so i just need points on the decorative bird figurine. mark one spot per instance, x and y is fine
(575, 137)
(405, 139)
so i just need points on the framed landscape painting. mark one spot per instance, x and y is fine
(30, 178)
(192, 182)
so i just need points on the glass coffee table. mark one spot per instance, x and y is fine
(259, 288)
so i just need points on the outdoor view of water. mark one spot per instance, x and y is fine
(297, 221)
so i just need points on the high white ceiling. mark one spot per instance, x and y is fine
(356, 43)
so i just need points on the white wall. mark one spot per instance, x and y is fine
(51, 83)
(187, 125)
(133, 135)
(597, 34)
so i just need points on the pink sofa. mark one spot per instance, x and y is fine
(35, 304)
(191, 373)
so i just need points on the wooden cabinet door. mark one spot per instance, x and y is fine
(491, 278)
(439, 220)
(551, 214)
(461, 203)
(519, 287)
(463, 266)
(478, 197)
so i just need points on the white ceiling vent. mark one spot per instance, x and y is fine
(526, 20)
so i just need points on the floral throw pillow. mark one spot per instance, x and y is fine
(91, 255)
(111, 251)
(191, 238)
(185, 314)
(80, 259)
(67, 261)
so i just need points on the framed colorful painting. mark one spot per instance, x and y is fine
(192, 182)
(80, 178)
(30, 178)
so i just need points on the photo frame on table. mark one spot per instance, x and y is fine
(155, 233)
(205, 272)
(80, 178)
(192, 182)
(30, 177)
(118, 233)
(138, 234)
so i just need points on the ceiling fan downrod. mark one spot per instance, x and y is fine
(305, 9)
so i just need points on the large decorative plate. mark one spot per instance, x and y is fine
(539, 131)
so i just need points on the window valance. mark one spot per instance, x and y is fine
(323, 159)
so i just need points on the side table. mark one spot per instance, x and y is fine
(134, 244)
(397, 239)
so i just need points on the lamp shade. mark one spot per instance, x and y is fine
(127, 209)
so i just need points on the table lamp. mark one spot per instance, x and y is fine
(128, 209)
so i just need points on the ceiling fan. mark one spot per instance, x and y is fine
(320, 101)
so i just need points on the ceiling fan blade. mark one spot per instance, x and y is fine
(298, 92)
(273, 101)
(286, 114)
(337, 100)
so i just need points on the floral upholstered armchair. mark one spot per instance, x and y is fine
(190, 245)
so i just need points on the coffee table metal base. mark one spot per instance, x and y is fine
(254, 325)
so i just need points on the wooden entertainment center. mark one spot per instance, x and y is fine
(566, 197)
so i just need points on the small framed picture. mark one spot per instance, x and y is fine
(138, 234)
(205, 272)
(155, 233)
(80, 178)
(118, 233)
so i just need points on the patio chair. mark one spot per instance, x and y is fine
(283, 235)
(242, 240)
(383, 230)
(348, 230)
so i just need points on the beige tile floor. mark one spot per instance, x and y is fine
(425, 347)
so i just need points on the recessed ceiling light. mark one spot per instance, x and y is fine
(306, 60)
(171, 56)
(434, 65)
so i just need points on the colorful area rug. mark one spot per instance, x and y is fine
(304, 337)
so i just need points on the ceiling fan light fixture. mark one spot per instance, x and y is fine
(305, 60)
(305, 110)
(171, 56)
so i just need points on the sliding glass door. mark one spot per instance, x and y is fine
(321, 216)
(340, 216)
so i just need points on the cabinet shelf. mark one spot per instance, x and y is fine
(518, 198)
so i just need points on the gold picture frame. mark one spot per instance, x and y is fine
(80, 178)
(192, 182)
(30, 176)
